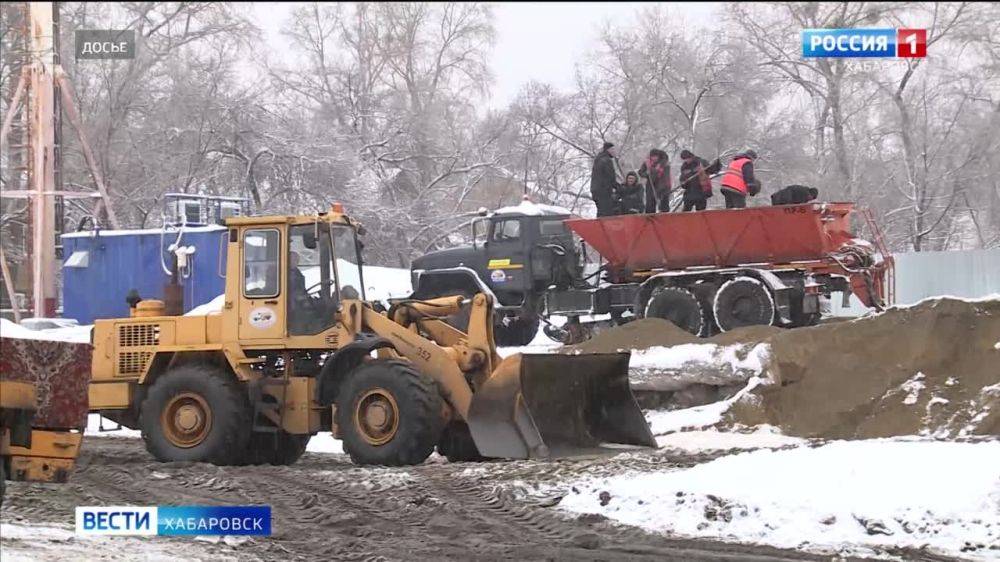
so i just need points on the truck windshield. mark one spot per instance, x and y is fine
(553, 227)
(350, 281)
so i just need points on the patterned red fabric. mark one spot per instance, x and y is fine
(60, 372)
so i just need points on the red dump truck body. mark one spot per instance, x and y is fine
(722, 238)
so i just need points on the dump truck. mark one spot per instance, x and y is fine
(705, 271)
(297, 349)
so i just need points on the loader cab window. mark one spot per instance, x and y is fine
(261, 248)
(347, 251)
(312, 290)
(507, 230)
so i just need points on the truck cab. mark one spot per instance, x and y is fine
(516, 254)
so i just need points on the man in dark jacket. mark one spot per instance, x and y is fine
(603, 180)
(629, 197)
(656, 171)
(695, 180)
(738, 182)
(794, 195)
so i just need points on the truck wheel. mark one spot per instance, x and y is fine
(677, 305)
(743, 301)
(3, 481)
(278, 449)
(518, 331)
(196, 413)
(456, 444)
(389, 414)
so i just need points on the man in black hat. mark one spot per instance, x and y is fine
(604, 180)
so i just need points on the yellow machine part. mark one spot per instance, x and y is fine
(50, 458)
(555, 405)
(16, 395)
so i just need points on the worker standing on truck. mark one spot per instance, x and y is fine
(628, 196)
(695, 180)
(604, 179)
(739, 181)
(656, 171)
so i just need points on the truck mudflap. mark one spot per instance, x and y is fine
(554, 405)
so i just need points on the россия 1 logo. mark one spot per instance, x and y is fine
(864, 43)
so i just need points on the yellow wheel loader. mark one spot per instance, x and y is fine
(296, 349)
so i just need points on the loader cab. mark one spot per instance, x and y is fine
(294, 272)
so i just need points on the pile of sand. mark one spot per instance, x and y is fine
(931, 369)
(640, 334)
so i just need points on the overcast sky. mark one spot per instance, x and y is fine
(539, 41)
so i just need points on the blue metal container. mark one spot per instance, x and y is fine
(101, 267)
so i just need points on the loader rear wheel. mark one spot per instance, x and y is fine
(519, 330)
(678, 306)
(278, 449)
(743, 302)
(389, 414)
(196, 413)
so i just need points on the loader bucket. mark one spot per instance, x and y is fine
(553, 405)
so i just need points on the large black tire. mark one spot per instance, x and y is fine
(456, 444)
(279, 449)
(208, 412)
(743, 302)
(3, 481)
(389, 414)
(677, 305)
(518, 331)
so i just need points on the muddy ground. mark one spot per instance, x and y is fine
(326, 508)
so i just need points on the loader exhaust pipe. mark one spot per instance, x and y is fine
(554, 405)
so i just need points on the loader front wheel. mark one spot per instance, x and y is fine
(389, 414)
(196, 413)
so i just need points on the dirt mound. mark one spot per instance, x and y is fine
(750, 334)
(641, 334)
(931, 369)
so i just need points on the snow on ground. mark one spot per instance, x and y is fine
(94, 423)
(763, 437)
(325, 443)
(31, 543)
(846, 496)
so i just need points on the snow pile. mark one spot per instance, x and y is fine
(676, 367)
(842, 496)
(532, 209)
(666, 421)
(71, 334)
(214, 305)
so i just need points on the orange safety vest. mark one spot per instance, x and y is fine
(733, 178)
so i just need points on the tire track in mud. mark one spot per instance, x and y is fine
(326, 507)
